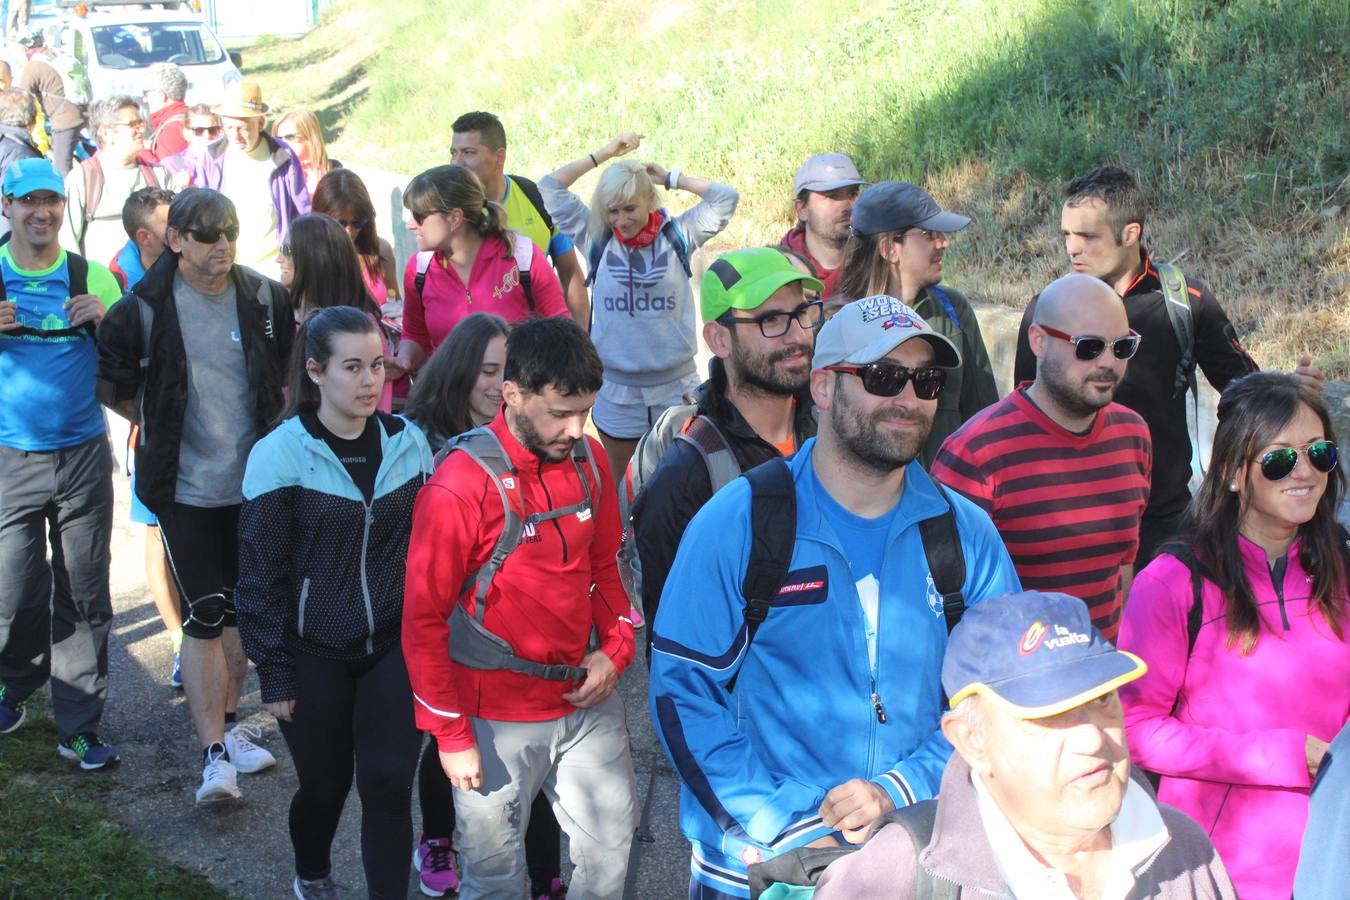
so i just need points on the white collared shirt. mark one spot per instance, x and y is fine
(1136, 834)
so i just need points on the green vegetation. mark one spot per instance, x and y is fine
(55, 836)
(1234, 114)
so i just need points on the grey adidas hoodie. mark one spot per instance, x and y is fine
(644, 317)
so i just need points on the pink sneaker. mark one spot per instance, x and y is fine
(636, 617)
(434, 861)
(556, 891)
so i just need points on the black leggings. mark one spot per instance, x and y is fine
(543, 838)
(361, 711)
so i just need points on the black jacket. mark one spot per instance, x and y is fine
(1148, 385)
(681, 484)
(266, 344)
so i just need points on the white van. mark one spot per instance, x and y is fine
(118, 43)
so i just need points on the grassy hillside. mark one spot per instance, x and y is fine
(1234, 114)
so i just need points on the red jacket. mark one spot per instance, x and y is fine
(543, 601)
(166, 126)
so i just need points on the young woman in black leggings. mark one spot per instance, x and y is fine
(323, 540)
(459, 388)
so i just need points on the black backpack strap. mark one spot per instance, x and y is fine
(773, 533)
(597, 255)
(77, 269)
(1195, 615)
(423, 263)
(523, 252)
(918, 820)
(531, 192)
(946, 561)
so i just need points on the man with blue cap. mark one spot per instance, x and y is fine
(1038, 800)
(55, 471)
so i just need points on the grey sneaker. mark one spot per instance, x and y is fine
(318, 889)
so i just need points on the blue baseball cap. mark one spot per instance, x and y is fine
(1035, 654)
(28, 175)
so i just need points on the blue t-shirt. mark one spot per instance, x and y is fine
(48, 382)
(864, 543)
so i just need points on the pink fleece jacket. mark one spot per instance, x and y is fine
(1227, 732)
(494, 287)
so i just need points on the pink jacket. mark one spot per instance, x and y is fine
(1226, 731)
(494, 287)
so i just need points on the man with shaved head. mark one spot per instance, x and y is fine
(1062, 469)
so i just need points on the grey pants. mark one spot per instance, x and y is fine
(55, 616)
(583, 765)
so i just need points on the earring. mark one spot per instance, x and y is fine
(1232, 486)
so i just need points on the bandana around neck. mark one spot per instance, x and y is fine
(644, 237)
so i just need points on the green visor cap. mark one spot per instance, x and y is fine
(744, 279)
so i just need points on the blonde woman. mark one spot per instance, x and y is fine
(642, 302)
(301, 131)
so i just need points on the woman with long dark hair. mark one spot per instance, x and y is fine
(468, 261)
(460, 388)
(889, 252)
(323, 542)
(320, 267)
(1243, 623)
(342, 196)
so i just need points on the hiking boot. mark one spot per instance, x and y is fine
(318, 889)
(176, 675)
(246, 756)
(219, 781)
(89, 750)
(434, 860)
(556, 891)
(11, 711)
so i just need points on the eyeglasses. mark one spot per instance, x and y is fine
(889, 379)
(212, 235)
(50, 201)
(355, 224)
(133, 124)
(1088, 346)
(931, 236)
(1280, 464)
(776, 324)
(206, 130)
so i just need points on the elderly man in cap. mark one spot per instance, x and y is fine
(761, 329)
(900, 236)
(795, 688)
(1038, 800)
(824, 191)
(260, 174)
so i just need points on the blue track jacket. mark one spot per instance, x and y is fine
(755, 764)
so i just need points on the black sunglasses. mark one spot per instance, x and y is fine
(889, 379)
(357, 224)
(1279, 464)
(208, 130)
(1089, 346)
(776, 324)
(211, 235)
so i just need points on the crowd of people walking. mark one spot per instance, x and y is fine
(901, 630)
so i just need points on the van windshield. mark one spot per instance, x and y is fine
(137, 46)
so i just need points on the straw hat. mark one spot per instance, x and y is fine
(243, 100)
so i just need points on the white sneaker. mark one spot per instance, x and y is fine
(219, 781)
(246, 756)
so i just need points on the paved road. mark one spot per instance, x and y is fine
(245, 849)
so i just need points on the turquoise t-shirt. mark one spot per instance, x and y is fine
(864, 542)
(49, 401)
